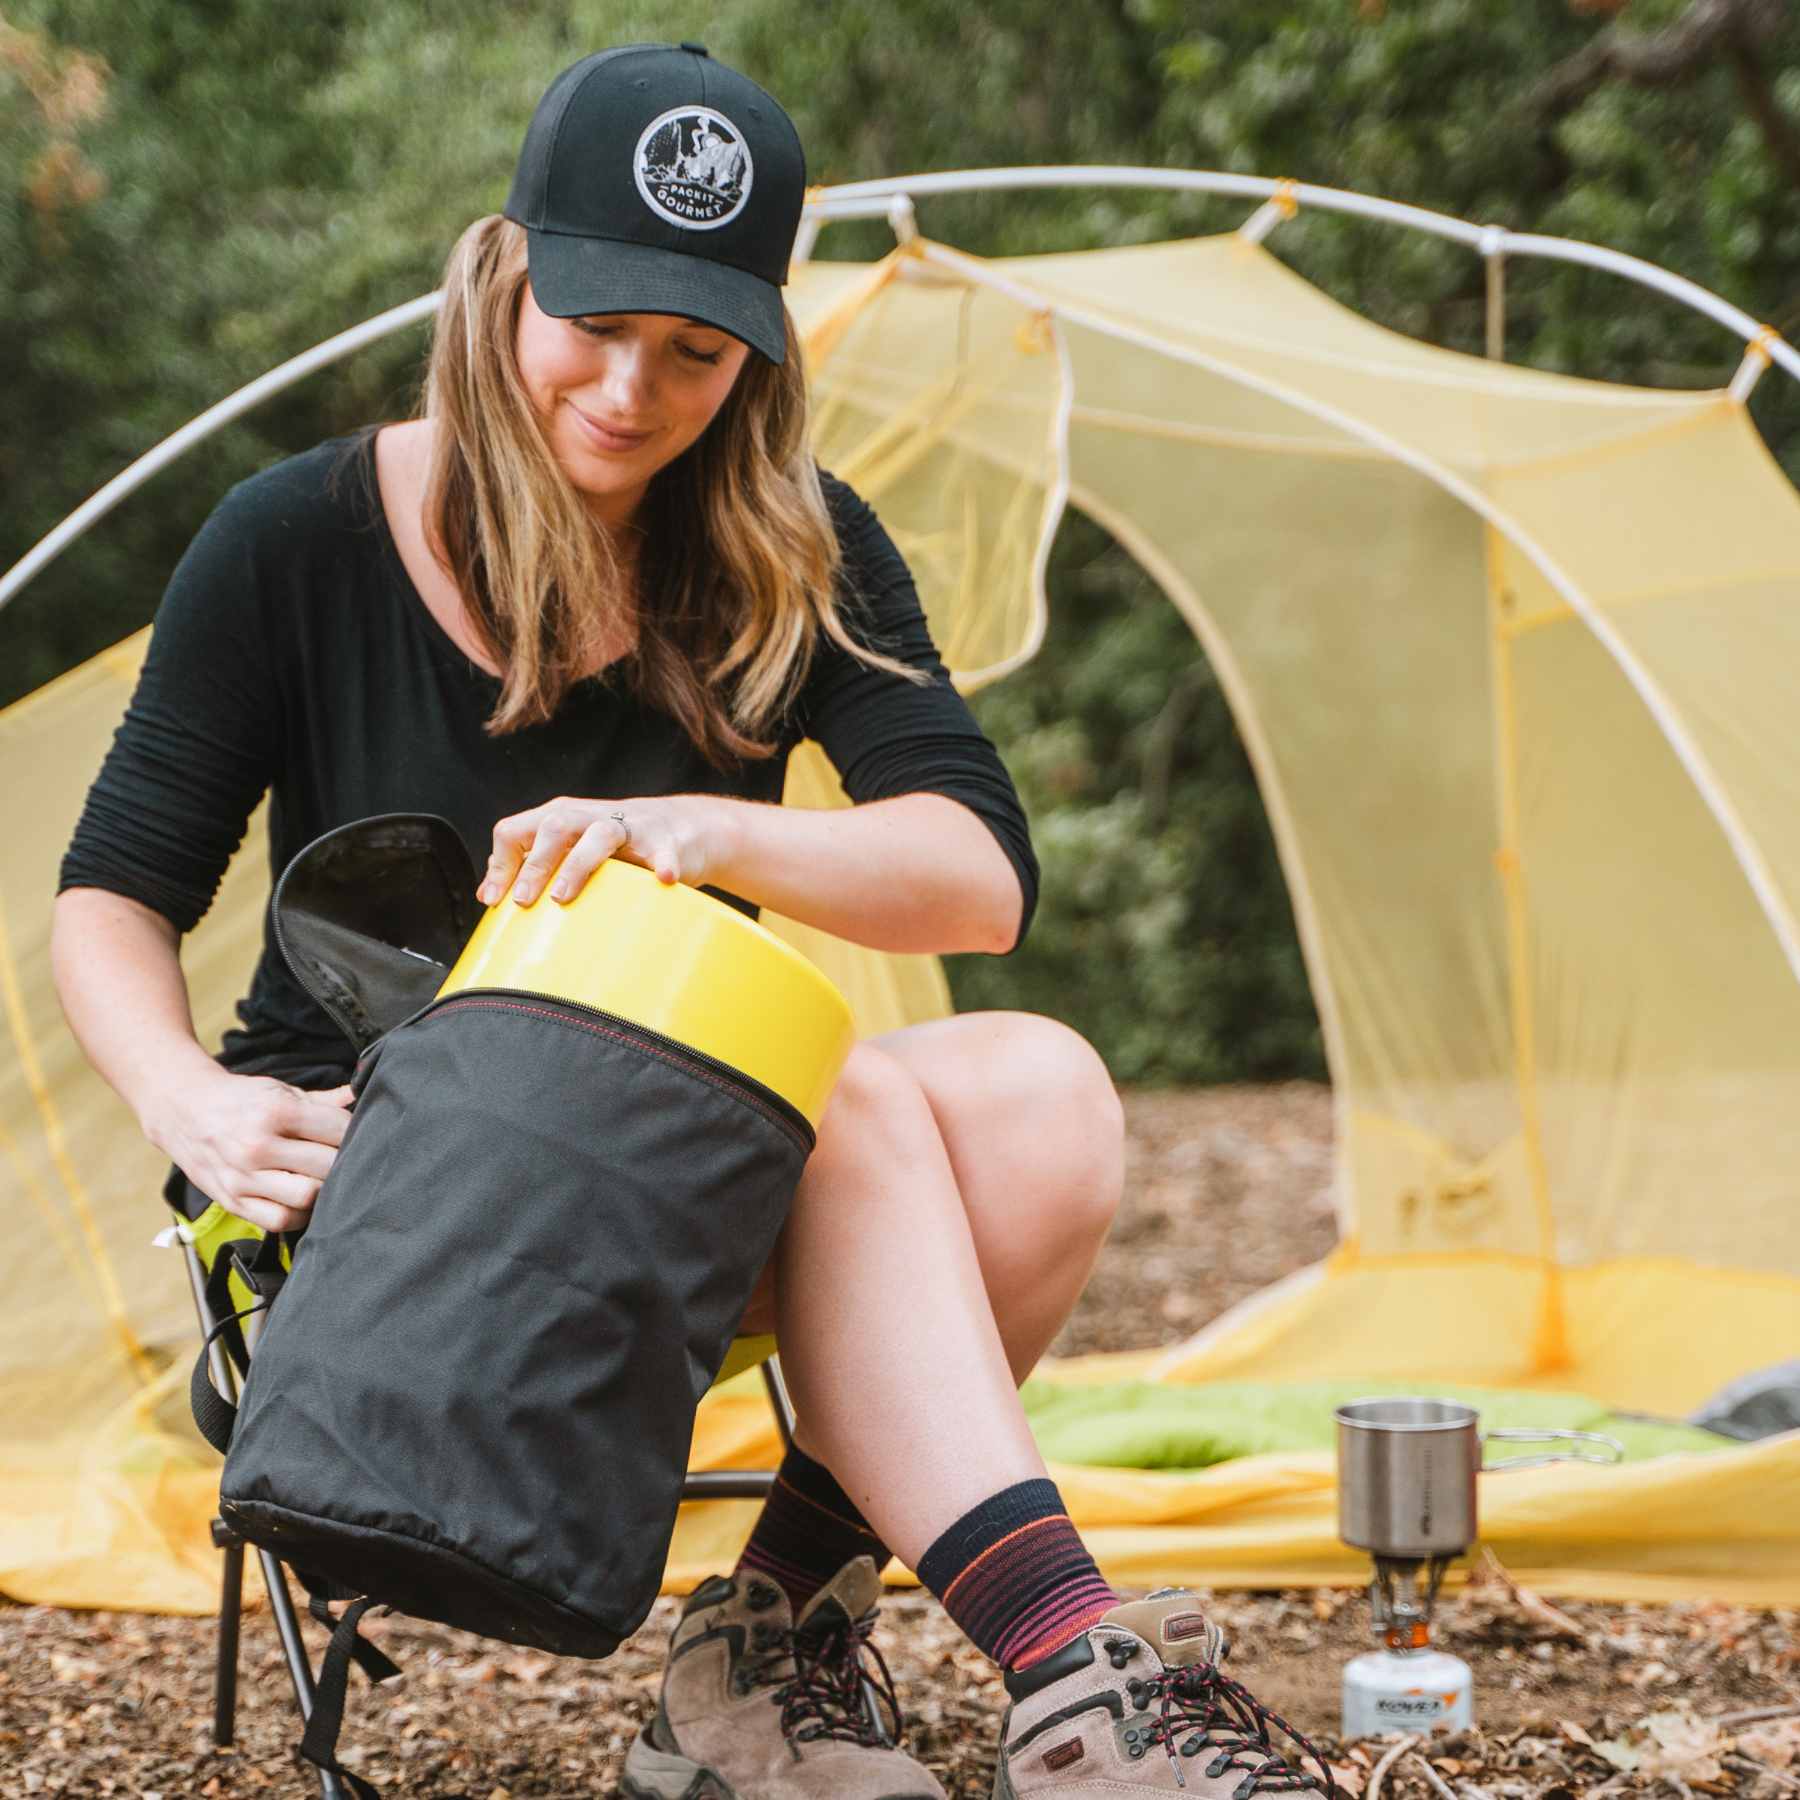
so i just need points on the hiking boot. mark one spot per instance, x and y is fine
(755, 1707)
(1138, 1701)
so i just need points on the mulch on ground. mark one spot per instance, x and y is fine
(1228, 1190)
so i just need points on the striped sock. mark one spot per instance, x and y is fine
(1014, 1575)
(807, 1530)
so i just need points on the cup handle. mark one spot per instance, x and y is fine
(1612, 1450)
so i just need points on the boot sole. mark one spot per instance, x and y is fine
(652, 1774)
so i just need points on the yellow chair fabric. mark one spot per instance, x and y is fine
(1511, 653)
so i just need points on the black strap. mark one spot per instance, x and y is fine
(213, 1413)
(373, 1662)
(258, 1261)
(319, 1745)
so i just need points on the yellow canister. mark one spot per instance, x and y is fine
(676, 961)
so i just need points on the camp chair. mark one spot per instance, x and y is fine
(228, 1357)
(370, 918)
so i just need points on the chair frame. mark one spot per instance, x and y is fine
(705, 1484)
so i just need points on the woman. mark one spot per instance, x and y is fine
(584, 606)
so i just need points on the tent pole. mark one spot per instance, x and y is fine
(129, 480)
(1493, 250)
(1756, 360)
(868, 200)
(871, 199)
(1279, 206)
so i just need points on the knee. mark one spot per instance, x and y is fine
(876, 1107)
(1077, 1121)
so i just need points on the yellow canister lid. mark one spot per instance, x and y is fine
(675, 961)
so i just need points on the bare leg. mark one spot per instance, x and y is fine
(1036, 1138)
(884, 1301)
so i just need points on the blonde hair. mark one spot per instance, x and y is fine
(737, 577)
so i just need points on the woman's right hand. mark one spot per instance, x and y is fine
(258, 1146)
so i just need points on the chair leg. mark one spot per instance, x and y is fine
(776, 1383)
(293, 1647)
(281, 1601)
(231, 1607)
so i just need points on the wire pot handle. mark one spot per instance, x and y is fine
(1612, 1451)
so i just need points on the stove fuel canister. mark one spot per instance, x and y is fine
(1411, 1690)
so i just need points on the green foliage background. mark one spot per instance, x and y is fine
(190, 193)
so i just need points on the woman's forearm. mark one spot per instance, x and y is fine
(254, 1144)
(920, 873)
(117, 967)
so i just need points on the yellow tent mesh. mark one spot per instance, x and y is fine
(1510, 653)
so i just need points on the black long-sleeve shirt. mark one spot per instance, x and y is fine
(293, 655)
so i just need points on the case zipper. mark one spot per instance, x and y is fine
(780, 1110)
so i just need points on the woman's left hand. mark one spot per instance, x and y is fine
(678, 837)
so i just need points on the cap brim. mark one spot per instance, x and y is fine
(571, 276)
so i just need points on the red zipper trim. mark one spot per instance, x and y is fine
(698, 1071)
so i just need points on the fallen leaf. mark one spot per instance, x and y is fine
(1576, 1734)
(1686, 1747)
(1776, 1743)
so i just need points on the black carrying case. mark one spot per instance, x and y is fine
(474, 1398)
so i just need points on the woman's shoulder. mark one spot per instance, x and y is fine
(849, 511)
(322, 491)
(871, 565)
(289, 532)
(873, 576)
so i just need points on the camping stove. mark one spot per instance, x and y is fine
(1406, 1685)
(1406, 1495)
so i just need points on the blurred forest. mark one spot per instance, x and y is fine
(195, 191)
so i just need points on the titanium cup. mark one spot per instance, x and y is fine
(1407, 1468)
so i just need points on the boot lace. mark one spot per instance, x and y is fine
(772, 1647)
(1206, 1710)
(832, 1692)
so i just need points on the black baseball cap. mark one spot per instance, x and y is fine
(654, 179)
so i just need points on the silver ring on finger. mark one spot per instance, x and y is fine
(619, 819)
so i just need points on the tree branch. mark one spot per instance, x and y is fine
(1735, 30)
(1666, 59)
(1671, 56)
(1759, 101)
(1163, 739)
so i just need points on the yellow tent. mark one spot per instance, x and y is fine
(1511, 653)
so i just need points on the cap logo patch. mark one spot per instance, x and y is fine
(693, 168)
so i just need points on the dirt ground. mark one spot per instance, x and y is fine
(1227, 1191)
